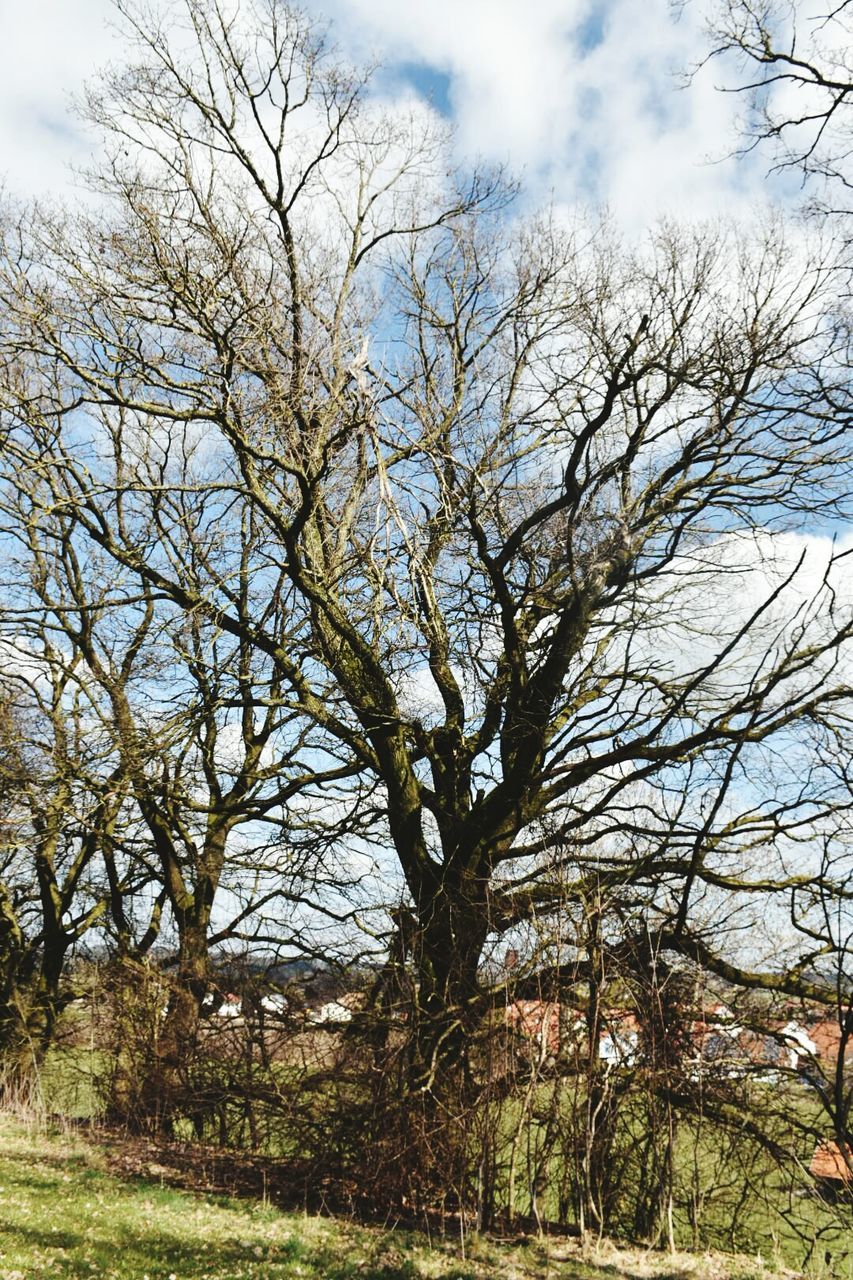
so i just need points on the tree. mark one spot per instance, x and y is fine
(799, 84)
(799, 81)
(503, 475)
(195, 740)
(64, 812)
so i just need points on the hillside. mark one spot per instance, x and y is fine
(72, 1205)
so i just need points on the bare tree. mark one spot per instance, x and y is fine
(529, 503)
(796, 69)
(65, 812)
(193, 726)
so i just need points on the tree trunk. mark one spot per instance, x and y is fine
(31, 1001)
(165, 1089)
(441, 1089)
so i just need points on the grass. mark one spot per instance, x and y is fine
(65, 1213)
(787, 1224)
(70, 1081)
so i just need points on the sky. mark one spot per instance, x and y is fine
(586, 101)
(583, 99)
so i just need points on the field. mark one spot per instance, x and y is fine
(71, 1207)
(784, 1224)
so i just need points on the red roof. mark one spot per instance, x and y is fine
(536, 1019)
(828, 1162)
(540, 1020)
(827, 1036)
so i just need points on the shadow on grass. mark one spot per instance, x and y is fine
(135, 1230)
(78, 1163)
(159, 1254)
(37, 1238)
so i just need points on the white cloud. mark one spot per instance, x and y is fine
(581, 97)
(47, 50)
(707, 597)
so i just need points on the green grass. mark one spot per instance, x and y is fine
(71, 1081)
(748, 1208)
(748, 1205)
(63, 1213)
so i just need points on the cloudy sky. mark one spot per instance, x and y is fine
(581, 97)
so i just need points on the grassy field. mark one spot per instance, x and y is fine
(66, 1212)
(763, 1216)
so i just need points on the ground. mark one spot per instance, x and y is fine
(79, 1204)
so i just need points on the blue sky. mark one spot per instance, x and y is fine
(428, 82)
(581, 98)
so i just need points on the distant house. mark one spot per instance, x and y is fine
(619, 1039)
(552, 1026)
(825, 1034)
(722, 1044)
(228, 1006)
(275, 1004)
(337, 1012)
(830, 1169)
(715, 1036)
(715, 1043)
(779, 1050)
(231, 1007)
(798, 1044)
(331, 1013)
(537, 1020)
